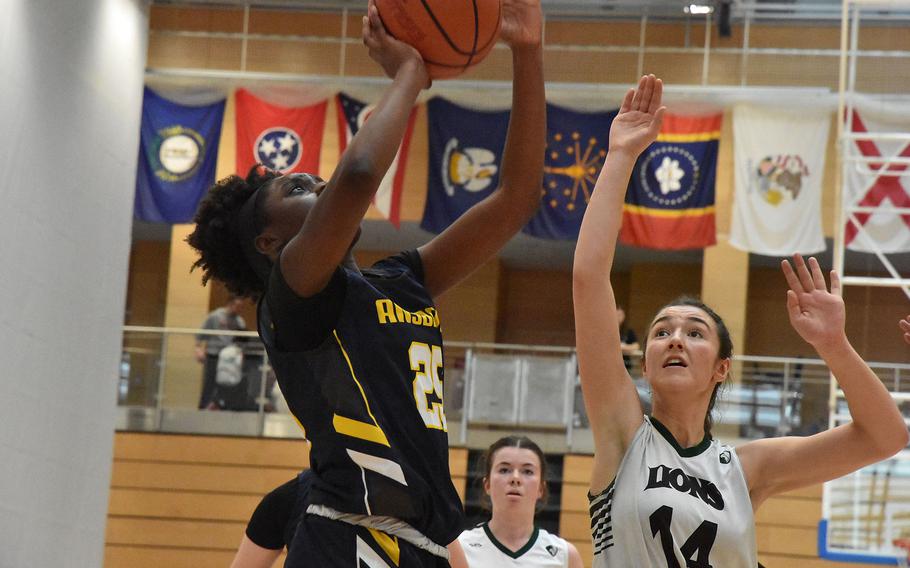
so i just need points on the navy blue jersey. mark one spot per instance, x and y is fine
(360, 365)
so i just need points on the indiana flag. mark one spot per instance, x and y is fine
(351, 116)
(875, 181)
(576, 148)
(465, 149)
(670, 201)
(779, 157)
(178, 148)
(284, 139)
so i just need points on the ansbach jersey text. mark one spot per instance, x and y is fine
(360, 365)
(543, 550)
(674, 507)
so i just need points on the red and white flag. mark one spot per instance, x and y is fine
(881, 184)
(351, 116)
(285, 139)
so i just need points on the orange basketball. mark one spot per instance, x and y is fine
(451, 35)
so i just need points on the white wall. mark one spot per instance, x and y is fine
(71, 76)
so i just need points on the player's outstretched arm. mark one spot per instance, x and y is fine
(877, 431)
(610, 397)
(905, 327)
(478, 234)
(311, 257)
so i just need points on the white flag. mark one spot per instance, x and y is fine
(881, 184)
(779, 157)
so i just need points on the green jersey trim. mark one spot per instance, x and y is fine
(518, 553)
(691, 452)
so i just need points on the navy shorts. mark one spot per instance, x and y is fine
(325, 543)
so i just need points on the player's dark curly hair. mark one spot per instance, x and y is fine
(216, 237)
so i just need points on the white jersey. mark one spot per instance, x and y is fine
(543, 550)
(674, 507)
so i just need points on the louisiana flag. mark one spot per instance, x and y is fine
(351, 116)
(670, 201)
(465, 149)
(576, 148)
(178, 148)
(284, 139)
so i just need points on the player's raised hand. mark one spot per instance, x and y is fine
(639, 119)
(815, 313)
(905, 327)
(522, 23)
(387, 51)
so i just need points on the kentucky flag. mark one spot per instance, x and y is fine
(465, 148)
(178, 147)
(576, 148)
(283, 139)
(351, 116)
(670, 201)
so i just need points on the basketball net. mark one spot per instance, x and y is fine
(903, 559)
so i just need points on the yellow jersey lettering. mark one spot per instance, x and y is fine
(384, 309)
(388, 311)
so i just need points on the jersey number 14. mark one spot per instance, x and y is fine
(697, 548)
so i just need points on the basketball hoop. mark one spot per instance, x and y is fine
(902, 544)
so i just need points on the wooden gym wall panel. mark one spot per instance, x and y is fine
(184, 501)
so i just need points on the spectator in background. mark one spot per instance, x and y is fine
(227, 317)
(628, 341)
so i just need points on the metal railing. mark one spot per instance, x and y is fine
(488, 388)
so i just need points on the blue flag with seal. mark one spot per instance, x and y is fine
(576, 147)
(178, 147)
(465, 148)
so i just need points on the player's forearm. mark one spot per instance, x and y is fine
(374, 146)
(523, 156)
(872, 409)
(596, 246)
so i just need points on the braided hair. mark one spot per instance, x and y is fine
(217, 236)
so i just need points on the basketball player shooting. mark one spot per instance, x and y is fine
(358, 353)
(663, 493)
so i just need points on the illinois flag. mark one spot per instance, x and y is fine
(779, 158)
(284, 139)
(465, 149)
(351, 116)
(178, 148)
(670, 201)
(878, 177)
(576, 147)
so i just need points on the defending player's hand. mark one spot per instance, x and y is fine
(387, 51)
(522, 23)
(815, 313)
(905, 326)
(639, 119)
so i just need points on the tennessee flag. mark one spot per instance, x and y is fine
(351, 116)
(284, 139)
(670, 201)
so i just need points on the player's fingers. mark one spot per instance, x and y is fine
(657, 97)
(905, 323)
(835, 283)
(792, 305)
(636, 100)
(802, 272)
(375, 20)
(627, 101)
(818, 279)
(646, 92)
(790, 275)
(657, 122)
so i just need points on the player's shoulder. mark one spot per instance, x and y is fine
(473, 534)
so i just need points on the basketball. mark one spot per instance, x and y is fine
(451, 35)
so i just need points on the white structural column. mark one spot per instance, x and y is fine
(70, 107)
